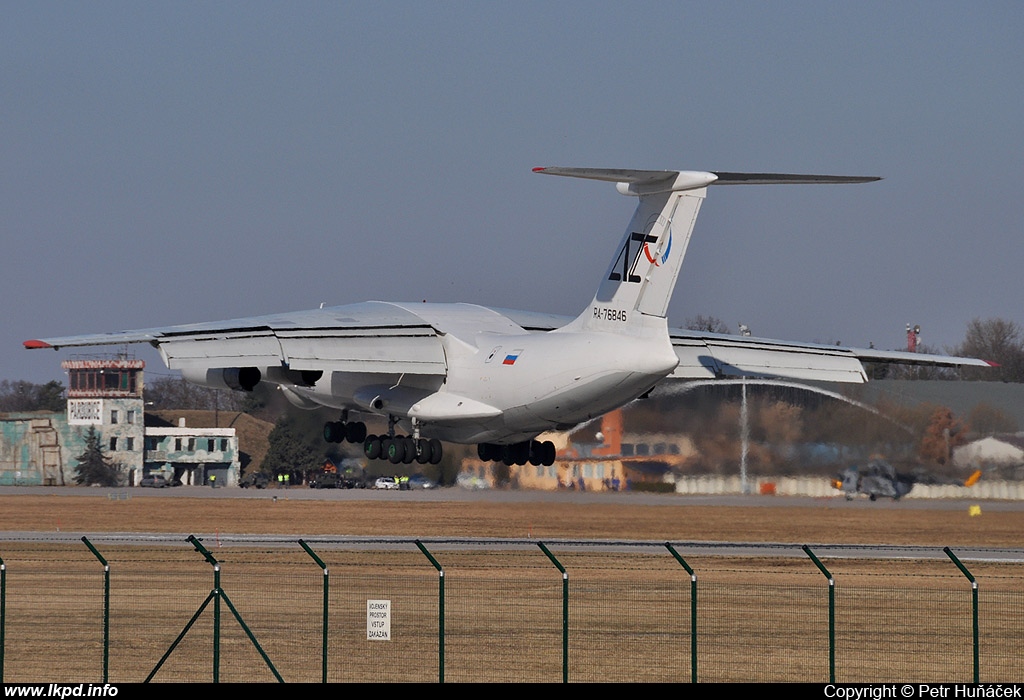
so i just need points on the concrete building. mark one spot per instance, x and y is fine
(107, 395)
(42, 448)
(193, 456)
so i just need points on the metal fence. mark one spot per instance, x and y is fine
(500, 611)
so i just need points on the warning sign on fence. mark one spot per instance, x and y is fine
(378, 620)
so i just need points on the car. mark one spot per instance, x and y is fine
(257, 480)
(418, 481)
(386, 482)
(155, 481)
(323, 480)
(471, 482)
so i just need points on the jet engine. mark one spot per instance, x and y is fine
(236, 378)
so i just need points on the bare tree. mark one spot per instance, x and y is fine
(176, 393)
(986, 419)
(26, 396)
(944, 432)
(996, 340)
(708, 324)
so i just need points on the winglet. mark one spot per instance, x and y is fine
(37, 345)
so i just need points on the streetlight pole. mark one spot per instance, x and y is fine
(744, 436)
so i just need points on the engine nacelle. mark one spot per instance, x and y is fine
(298, 400)
(235, 378)
(303, 377)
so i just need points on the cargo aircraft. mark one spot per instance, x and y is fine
(497, 378)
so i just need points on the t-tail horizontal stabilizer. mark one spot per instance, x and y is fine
(634, 294)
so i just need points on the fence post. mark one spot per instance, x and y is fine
(565, 611)
(693, 611)
(215, 595)
(3, 613)
(831, 614)
(327, 585)
(440, 611)
(974, 605)
(106, 606)
(216, 603)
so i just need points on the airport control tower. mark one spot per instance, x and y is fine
(107, 394)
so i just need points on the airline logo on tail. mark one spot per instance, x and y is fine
(668, 248)
(643, 250)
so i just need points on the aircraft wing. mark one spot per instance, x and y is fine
(711, 356)
(705, 355)
(370, 337)
(384, 337)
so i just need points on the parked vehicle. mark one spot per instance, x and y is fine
(418, 481)
(324, 480)
(155, 481)
(257, 480)
(386, 483)
(349, 476)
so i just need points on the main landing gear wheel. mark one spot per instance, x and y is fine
(410, 450)
(422, 451)
(334, 431)
(402, 449)
(339, 431)
(371, 447)
(355, 432)
(519, 453)
(394, 449)
(542, 453)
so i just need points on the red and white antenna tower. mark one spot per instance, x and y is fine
(913, 337)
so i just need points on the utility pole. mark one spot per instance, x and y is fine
(744, 436)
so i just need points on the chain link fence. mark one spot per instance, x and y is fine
(496, 611)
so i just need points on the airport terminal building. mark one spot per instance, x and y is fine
(106, 395)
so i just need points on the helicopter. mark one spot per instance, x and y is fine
(879, 478)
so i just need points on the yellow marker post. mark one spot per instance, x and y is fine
(974, 510)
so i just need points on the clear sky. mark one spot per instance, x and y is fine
(165, 163)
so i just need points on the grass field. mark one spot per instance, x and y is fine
(761, 618)
(826, 521)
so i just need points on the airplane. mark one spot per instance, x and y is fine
(499, 378)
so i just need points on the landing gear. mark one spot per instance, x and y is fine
(401, 449)
(519, 453)
(340, 431)
(372, 447)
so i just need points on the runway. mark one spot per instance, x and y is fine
(615, 521)
(460, 495)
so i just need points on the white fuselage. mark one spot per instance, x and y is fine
(504, 386)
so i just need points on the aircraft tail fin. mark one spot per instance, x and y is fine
(638, 284)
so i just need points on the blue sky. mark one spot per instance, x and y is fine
(166, 163)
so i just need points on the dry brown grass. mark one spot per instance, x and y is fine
(760, 619)
(826, 523)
